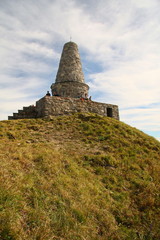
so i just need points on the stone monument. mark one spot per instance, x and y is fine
(69, 92)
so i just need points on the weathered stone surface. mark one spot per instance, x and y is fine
(70, 89)
(70, 79)
(70, 68)
(53, 106)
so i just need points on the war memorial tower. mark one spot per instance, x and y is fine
(69, 92)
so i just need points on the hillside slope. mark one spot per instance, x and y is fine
(80, 177)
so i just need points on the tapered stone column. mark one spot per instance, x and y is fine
(70, 79)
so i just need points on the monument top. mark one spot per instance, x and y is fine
(70, 67)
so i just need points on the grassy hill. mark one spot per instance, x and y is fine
(79, 177)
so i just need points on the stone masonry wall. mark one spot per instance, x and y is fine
(52, 106)
(70, 89)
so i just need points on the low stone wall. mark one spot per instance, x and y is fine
(53, 106)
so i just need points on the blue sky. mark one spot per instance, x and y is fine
(119, 44)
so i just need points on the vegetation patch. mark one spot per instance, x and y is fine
(78, 177)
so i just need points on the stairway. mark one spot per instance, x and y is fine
(27, 112)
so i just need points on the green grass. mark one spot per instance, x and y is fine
(79, 177)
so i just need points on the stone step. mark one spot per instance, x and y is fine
(20, 111)
(15, 115)
(10, 118)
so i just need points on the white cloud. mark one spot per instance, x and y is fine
(142, 118)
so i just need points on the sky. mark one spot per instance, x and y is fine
(119, 45)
